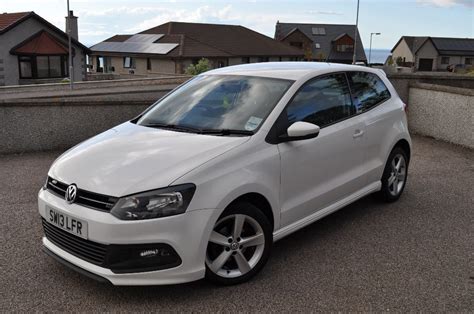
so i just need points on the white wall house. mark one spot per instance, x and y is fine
(433, 53)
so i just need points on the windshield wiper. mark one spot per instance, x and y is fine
(226, 132)
(181, 128)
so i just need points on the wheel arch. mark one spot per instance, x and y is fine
(403, 144)
(258, 200)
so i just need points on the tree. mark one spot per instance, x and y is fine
(321, 57)
(399, 61)
(389, 60)
(198, 68)
(308, 54)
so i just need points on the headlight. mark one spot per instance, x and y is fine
(154, 204)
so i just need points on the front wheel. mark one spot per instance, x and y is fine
(395, 175)
(239, 245)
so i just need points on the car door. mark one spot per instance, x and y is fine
(373, 101)
(320, 171)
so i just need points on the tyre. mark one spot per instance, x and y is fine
(395, 176)
(239, 245)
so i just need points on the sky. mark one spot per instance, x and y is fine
(100, 19)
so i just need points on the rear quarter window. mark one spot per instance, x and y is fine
(368, 90)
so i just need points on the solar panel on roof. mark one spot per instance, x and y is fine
(134, 47)
(144, 38)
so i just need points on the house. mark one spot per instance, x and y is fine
(433, 53)
(32, 50)
(171, 47)
(322, 42)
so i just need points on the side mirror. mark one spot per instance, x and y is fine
(300, 131)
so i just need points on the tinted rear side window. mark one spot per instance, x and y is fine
(368, 90)
(322, 101)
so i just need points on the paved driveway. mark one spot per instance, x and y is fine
(416, 254)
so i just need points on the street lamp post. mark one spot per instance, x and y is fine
(355, 37)
(71, 69)
(370, 49)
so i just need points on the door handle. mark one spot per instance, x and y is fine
(358, 133)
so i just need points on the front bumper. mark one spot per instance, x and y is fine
(187, 234)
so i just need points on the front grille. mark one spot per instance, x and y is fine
(84, 198)
(92, 252)
(120, 258)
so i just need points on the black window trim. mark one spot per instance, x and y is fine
(34, 66)
(275, 130)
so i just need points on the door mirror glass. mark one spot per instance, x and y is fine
(300, 131)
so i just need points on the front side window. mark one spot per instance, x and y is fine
(128, 62)
(148, 64)
(368, 90)
(322, 101)
(218, 102)
(43, 66)
(26, 67)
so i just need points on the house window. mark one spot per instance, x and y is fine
(42, 66)
(26, 67)
(296, 44)
(469, 61)
(220, 64)
(263, 59)
(444, 60)
(148, 64)
(318, 31)
(344, 48)
(129, 63)
(245, 59)
(317, 45)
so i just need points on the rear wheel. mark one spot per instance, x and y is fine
(395, 175)
(239, 245)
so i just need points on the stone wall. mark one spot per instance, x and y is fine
(52, 117)
(403, 81)
(442, 112)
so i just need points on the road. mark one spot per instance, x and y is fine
(412, 255)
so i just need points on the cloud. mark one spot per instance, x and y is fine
(201, 14)
(324, 12)
(447, 3)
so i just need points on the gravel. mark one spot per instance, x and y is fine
(412, 255)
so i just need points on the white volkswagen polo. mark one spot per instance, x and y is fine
(204, 181)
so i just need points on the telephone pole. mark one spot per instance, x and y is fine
(71, 68)
(355, 37)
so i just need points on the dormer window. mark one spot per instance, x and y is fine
(297, 44)
(319, 31)
(344, 48)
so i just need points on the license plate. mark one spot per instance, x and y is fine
(70, 224)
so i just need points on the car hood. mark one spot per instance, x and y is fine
(131, 158)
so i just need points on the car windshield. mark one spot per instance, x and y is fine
(228, 104)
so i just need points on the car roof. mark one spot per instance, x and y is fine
(286, 70)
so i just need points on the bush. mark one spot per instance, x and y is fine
(201, 67)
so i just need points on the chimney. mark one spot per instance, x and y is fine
(72, 20)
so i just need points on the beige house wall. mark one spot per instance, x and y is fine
(166, 66)
(403, 51)
(158, 66)
(452, 60)
(427, 51)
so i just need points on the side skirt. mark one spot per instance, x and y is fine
(283, 232)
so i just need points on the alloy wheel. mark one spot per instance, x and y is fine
(236, 245)
(397, 177)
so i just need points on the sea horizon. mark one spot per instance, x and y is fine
(378, 55)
